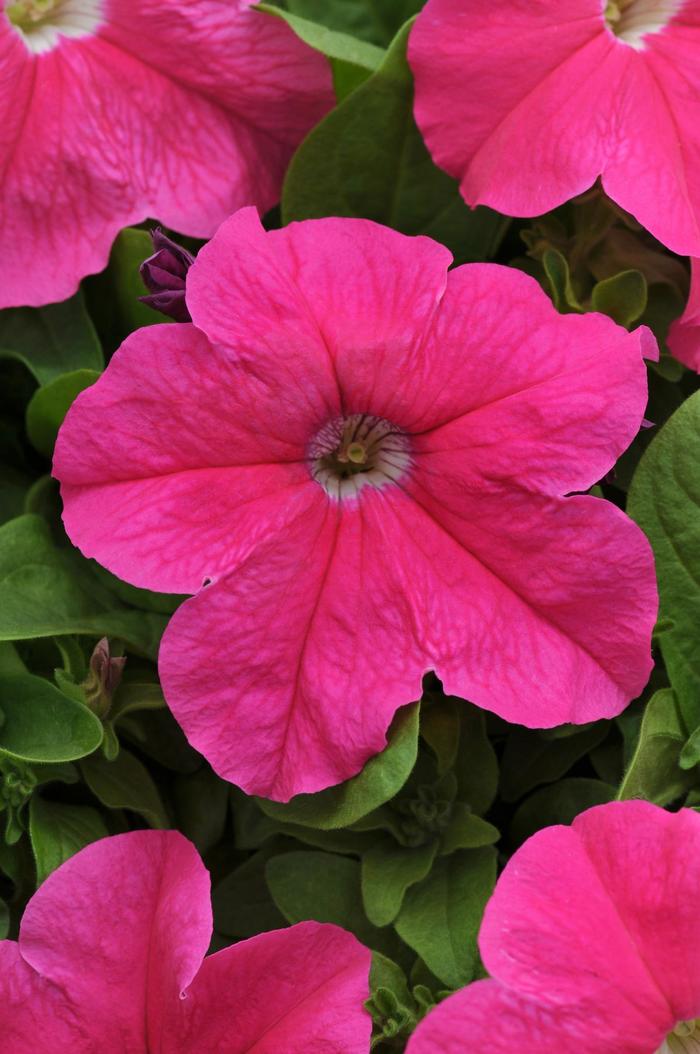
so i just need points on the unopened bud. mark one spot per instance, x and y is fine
(164, 274)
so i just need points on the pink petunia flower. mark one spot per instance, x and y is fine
(527, 102)
(115, 110)
(363, 459)
(110, 958)
(590, 941)
(684, 334)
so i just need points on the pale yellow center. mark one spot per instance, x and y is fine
(685, 1039)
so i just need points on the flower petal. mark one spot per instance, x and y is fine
(499, 1021)
(684, 334)
(296, 990)
(520, 392)
(514, 99)
(120, 970)
(359, 294)
(178, 461)
(151, 136)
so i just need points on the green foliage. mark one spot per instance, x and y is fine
(51, 341)
(50, 404)
(40, 724)
(664, 499)
(654, 772)
(58, 831)
(368, 159)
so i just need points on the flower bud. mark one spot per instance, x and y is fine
(164, 274)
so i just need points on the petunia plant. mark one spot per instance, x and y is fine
(349, 526)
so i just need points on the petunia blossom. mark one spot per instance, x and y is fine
(592, 943)
(111, 958)
(358, 463)
(684, 334)
(115, 110)
(528, 102)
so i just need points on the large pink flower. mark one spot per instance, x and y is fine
(527, 102)
(684, 334)
(110, 958)
(592, 941)
(115, 110)
(365, 457)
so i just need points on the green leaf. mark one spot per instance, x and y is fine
(530, 759)
(50, 404)
(654, 771)
(125, 783)
(4, 920)
(131, 247)
(243, 905)
(330, 42)
(327, 888)
(623, 297)
(52, 340)
(466, 830)
(664, 499)
(367, 158)
(558, 803)
(58, 831)
(367, 19)
(476, 765)
(441, 916)
(201, 802)
(557, 270)
(440, 728)
(381, 778)
(49, 592)
(690, 754)
(40, 724)
(388, 870)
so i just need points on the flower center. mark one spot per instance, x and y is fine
(41, 23)
(352, 452)
(685, 1039)
(632, 20)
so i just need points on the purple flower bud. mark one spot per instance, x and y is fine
(104, 674)
(164, 274)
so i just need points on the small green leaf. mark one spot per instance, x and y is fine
(52, 340)
(41, 724)
(557, 270)
(466, 830)
(559, 803)
(49, 592)
(664, 499)
(327, 888)
(367, 158)
(243, 905)
(388, 870)
(690, 754)
(58, 831)
(530, 759)
(50, 404)
(439, 727)
(441, 916)
(623, 297)
(125, 783)
(131, 247)
(379, 781)
(367, 19)
(330, 42)
(654, 771)
(476, 765)
(201, 802)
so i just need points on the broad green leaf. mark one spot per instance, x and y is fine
(201, 803)
(58, 831)
(440, 728)
(530, 759)
(557, 803)
(557, 270)
(40, 724)
(441, 916)
(334, 44)
(50, 404)
(367, 158)
(52, 340)
(243, 905)
(49, 592)
(623, 297)
(14, 484)
(664, 499)
(466, 830)
(10, 662)
(131, 247)
(381, 778)
(690, 754)
(476, 765)
(327, 888)
(125, 783)
(4, 920)
(388, 871)
(654, 771)
(374, 20)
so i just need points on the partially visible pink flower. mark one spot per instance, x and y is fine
(592, 941)
(115, 110)
(110, 959)
(366, 458)
(684, 334)
(527, 102)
